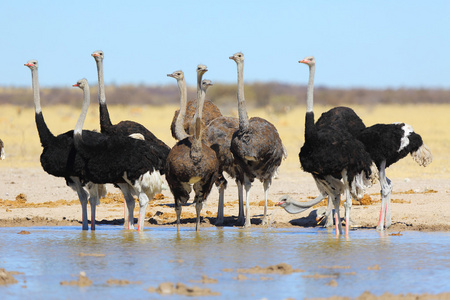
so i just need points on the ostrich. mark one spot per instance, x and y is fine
(130, 163)
(191, 162)
(124, 128)
(210, 110)
(256, 146)
(330, 154)
(387, 144)
(341, 118)
(2, 150)
(60, 158)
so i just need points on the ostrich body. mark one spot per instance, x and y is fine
(387, 144)
(256, 146)
(130, 163)
(60, 158)
(329, 154)
(125, 128)
(210, 110)
(2, 150)
(218, 136)
(190, 161)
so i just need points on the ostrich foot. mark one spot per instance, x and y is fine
(247, 223)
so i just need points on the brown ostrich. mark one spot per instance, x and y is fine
(256, 146)
(191, 162)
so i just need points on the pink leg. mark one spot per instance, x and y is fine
(336, 223)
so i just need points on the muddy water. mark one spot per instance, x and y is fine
(412, 262)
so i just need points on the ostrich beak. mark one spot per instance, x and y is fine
(76, 84)
(303, 61)
(319, 219)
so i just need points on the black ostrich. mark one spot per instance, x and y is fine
(191, 162)
(210, 110)
(2, 150)
(124, 128)
(387, 144)
(130, 163)
(256, 146)
(331, 153)
(60, 158)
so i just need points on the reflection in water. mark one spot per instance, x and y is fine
(414, 262)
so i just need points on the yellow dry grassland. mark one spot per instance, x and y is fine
(18, 130)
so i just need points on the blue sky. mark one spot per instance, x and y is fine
(374, 44)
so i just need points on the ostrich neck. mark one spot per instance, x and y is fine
(180, 133)
(101, 85)
(199, 95)
(79, 126)
(310, 128)
(243, 117)
(45, 135)
(310, 90)
(36, 95)
(105, 121)
(196, 150)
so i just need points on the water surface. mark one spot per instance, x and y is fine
(413, 262)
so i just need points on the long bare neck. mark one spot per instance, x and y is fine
(243, 117)
(105, 121)
(310, 90)
(79, 126)
(36, 93)
(196, 150)
(44, 133)
(199, 95)
(310, 128)
(180, 133)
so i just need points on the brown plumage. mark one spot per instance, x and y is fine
(218, 136)
(191, 162)
(210, 110)
(256, 146)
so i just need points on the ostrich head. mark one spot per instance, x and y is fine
(309, 60)
(98, 55)
(82, 83)
(32, 64)
(178, 75)
(283, 201)
(237, 57)
(201, 69)
(206, 83)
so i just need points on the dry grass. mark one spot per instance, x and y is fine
(18, 130)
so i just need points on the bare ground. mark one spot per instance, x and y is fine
(30, 197)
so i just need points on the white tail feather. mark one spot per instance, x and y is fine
(422, 156)
(361, 182)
